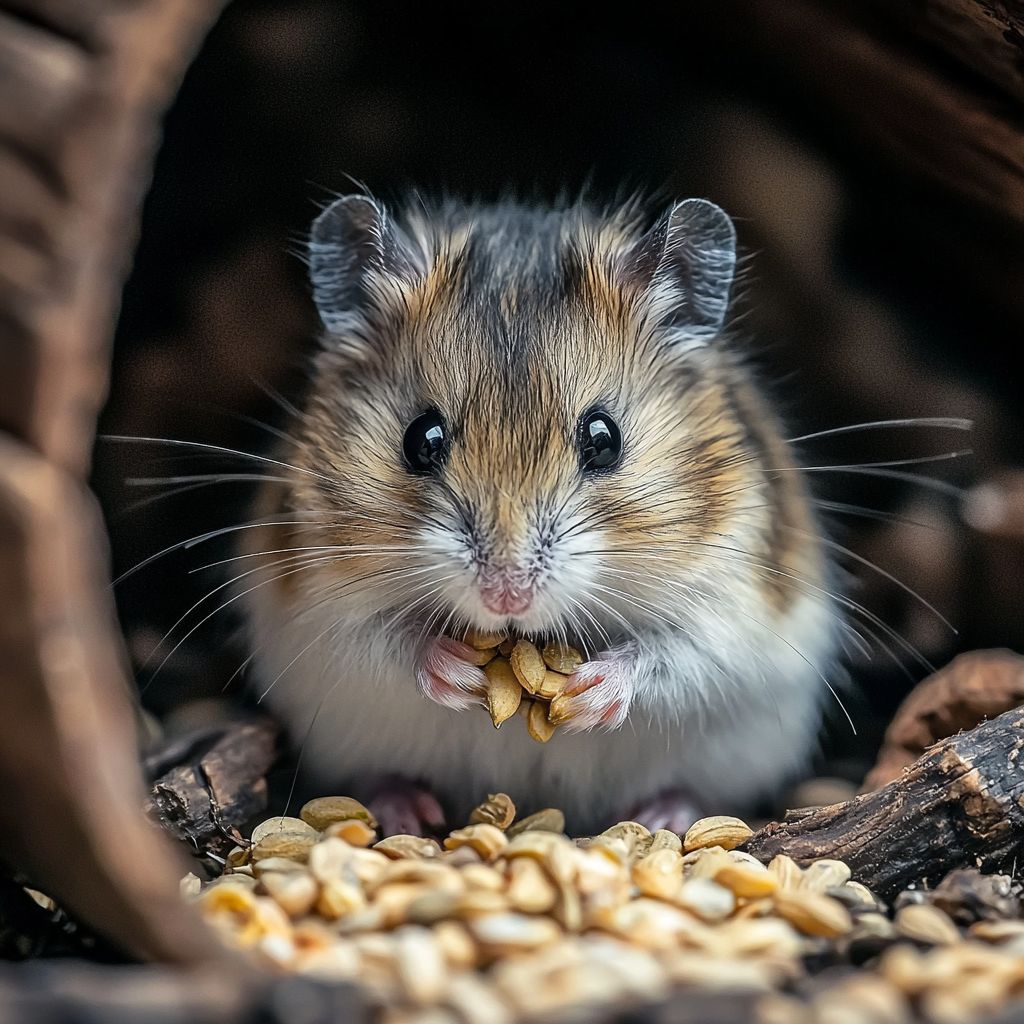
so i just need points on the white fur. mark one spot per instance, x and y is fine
(728, 717)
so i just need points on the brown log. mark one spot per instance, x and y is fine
(960, 805)
(82, 87)
(971, 688)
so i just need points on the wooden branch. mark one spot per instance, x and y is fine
(202, 800)
(961, 804)
(82, 86)
(970, 689)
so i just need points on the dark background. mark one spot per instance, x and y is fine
(872, 290)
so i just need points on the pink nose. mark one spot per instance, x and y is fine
(504, 598)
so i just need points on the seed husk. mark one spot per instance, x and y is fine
(561, 657)
(550, 819)
(537, 723)
(747, 881)
(812, 913)
(502, 934)
(504, 694)
(295, 826)
(291, 845)
(528, 666)
(397, 847)
(787, 871)
(354, 832)
(707, 899)
(456, 944)
(529, 890)
(295, 892)
(552, 686)
(659, 874)
(498, 810)
(326, 810)
(486, 840)
(718, 830)
(560, 709)
(924, 923)
(480, 639)
(824, 874)
(663, 839)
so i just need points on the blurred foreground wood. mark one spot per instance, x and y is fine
(82, 88)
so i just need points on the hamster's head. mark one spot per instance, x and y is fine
(525, 419)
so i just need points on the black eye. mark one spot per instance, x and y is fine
(425, 444)
(600, 441)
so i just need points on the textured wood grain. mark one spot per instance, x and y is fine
(960, 805)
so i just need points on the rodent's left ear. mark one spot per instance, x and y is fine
(357, 256)
(685, 264)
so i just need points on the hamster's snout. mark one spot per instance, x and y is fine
(506, 590)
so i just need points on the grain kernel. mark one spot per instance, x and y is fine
(550, 819)
(354, 832)
(480, 639)
(498, 810)
(660, 874)
(291, 845)
(486, 840)
(294, 892)
(824, 874)
(528, 665)
(812, 913)
(561, 657)
(538, 724)
(326, 810)
(924, 923)
(717, 830)
(787, 871)
(528, 887)
(504, 693)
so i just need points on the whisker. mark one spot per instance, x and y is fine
(946, 422)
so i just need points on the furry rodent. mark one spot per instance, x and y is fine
(456, 464)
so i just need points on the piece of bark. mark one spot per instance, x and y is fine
(960, 805)
(971, 688)
(70, 817)
(202, 801)
(82, 88)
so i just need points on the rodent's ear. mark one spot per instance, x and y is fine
(685, 264)
(357, 254)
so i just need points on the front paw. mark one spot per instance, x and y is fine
(599, 692)
(445, 674)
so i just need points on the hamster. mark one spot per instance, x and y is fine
(532, 419)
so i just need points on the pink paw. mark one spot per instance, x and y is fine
(403, 809)
(673, 809)
(600, 692)
(445, 674)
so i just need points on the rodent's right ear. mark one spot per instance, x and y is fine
(358, 257)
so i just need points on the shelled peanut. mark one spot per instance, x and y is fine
(526, 678)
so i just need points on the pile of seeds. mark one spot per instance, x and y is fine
(522, 677)
(514, 920)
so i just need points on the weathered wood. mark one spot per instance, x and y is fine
(203, 799)
(960, 805)
(971, 688)
(70, 815)
(82, 87)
